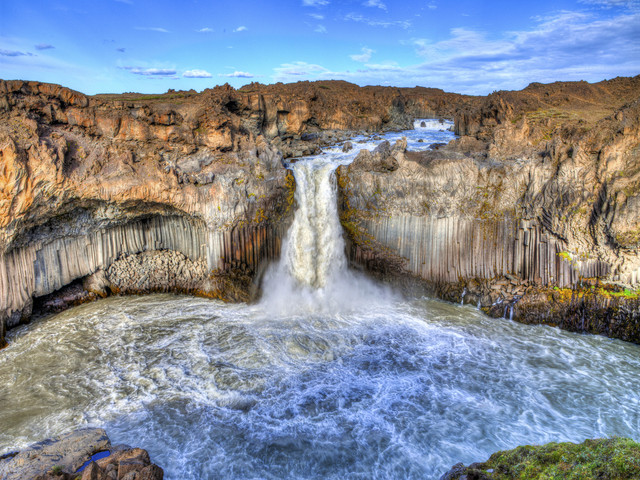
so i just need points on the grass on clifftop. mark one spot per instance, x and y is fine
(600, 459)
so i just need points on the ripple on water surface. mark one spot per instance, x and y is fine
(400, 390)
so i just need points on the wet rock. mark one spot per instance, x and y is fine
(62, 457)
(382, 159)
(347, 147)
(64, 454)
(423, 124)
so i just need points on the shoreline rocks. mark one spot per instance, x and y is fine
(71, 456)
(594, 459)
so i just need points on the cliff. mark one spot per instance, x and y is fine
(525, 215)
(181, 192)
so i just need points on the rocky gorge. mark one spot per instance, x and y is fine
(87, 181)
(530, 214)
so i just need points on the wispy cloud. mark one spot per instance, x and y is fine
(205, 30)
(237, 75)
(613, 3)
(320, 29)
(153, 29)
(375, 3)
(196, 74)
(121, 49)
(15, 53)
(354, 17)
(241, 28)
(292, 72)
(151, 72)
(363, 57)
(315, 3)
(567, 46)
(128, 2)
(317, 16)
(44, 46)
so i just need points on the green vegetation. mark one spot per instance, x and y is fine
(610, 458)
(56, 470)
(566, 256)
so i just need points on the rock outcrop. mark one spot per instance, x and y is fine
(75, 456)
(92, 186)
(617, 458)
(541, 190)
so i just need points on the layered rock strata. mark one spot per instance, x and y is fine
(183, 191)
(532, 199)
(79, 197)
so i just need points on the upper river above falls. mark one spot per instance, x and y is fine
(329, 376)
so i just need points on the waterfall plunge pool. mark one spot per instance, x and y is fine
(330, 376)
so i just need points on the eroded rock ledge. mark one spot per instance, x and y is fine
(85, 454)
(180, 192)
(533, 213)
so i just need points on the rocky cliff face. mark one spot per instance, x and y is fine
(179, 192)
(541, 190)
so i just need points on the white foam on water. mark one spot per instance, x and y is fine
(330, 377)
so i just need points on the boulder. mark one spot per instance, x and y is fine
(64, 454)
(63, 458)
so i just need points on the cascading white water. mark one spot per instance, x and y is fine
(325, 379)
(314, 250)
(312, 275)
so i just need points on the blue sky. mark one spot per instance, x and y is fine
(476, 47)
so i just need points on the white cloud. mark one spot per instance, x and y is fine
(14, 53)
(321, 29)
(354, 17)
(613, 3)
(153, 29)
(241, 28)
(375, 3)
(314, 3)
(237, 75)
(568, 46)
(363, 57)
(292, 72)
(205, 30)
(152, 72)
(317, 16)
(196, 74)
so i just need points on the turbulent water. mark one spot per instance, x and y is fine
(330, 377)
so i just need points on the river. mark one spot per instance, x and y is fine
(329, 376)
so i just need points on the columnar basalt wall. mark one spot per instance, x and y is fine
(532, 213)
(45, 266)
(454, 248)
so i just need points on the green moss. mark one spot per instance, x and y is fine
(566, 256)
(611, 458)
(56, 470)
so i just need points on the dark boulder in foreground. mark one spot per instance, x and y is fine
(70, 456)
(608, 458)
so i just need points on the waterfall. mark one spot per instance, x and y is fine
(312, 273)
(313, 252)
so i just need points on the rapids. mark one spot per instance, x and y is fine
(330, 376)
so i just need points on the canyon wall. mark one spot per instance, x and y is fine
(183, 192)
(537, 202)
